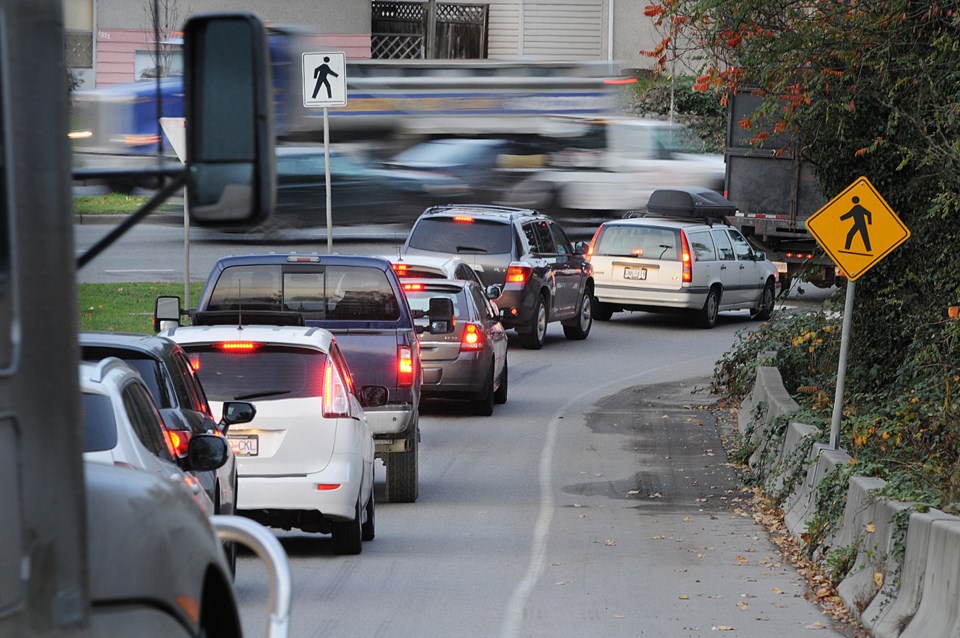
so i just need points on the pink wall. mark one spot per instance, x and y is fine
(116, 49)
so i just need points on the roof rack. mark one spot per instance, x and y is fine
(686, 203)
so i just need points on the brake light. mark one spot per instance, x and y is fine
(404, 366)
(412, 287)
(177, 442)
(236, 346)
(463, 219)
(472, 338)
(686, 258)
(400, 269)
(518, 273)
(335, 401)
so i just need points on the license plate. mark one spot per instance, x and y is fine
(634, 273)
(244, 444)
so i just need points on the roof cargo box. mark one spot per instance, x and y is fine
(689, 202)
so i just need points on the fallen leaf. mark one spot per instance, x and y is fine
(871, 528)
(741, 560)
(619, 616)
(878, 579)
(777, 590)
(723, 628)
(684, 597)
(610, 542)
(687, 519)
(743, 606)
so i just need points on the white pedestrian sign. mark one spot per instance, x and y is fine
(324, 79)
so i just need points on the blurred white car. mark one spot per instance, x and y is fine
(306, 460)
(122, 426)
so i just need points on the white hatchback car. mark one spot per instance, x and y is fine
(680, 257)
(306, 460)
(122, 426)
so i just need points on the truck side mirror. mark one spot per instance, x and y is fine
(231, 172)
(236, 412)
(166, 313)
(441, 315)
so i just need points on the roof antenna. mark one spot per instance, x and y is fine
(396, 238)
(239, 305)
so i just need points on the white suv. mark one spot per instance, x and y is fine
(681, 257)
(306, 459)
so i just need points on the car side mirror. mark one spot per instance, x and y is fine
(206, 452)
(166, 313)
(235, 412)
(441, 315)
(759, 256)
(580, 248)
(231, 168)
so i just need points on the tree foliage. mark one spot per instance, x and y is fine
(872, 88)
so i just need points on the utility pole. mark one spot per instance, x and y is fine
(431, 37)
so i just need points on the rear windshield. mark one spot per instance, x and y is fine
(99, 424)
(445, 235)
(262, 373)
(148, 367)
(639, 241)
(420, 300)
(320, 293)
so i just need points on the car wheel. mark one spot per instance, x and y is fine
(537, 328)
(347, 535)
(765, 306)
(368, 531)
(602, 311)
(500, 396)
(579, 330)
(707, 316)
(484, 406)
(402, 476)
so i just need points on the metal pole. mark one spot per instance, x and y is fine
(326, 170)
(842, 365)
(186, 249)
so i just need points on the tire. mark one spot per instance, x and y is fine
(602, 311)
(500, 396)
(402, 475)
(579, 330)
(707, 316)
(537, 328)
(368, 531)
(347, 535)
(765, 305)
(484, 406)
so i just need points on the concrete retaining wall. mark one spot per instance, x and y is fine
(906, 591)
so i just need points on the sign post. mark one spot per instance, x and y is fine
(324, 86)
(175, 128)
(857, 228)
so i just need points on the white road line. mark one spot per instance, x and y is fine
(513, 616)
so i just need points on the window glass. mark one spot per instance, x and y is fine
(724, 247)
(444, 235)
(646, 242)
(702, 246)
(264, 374)
(145, 420)
(257, 287)
(195, 398)
(148, 368)
(482, 303)
(99, 423)
(564, 247)
(741, 247)
(420, 300)
(544, 238)
(531, 233)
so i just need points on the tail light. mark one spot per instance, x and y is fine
(687, 258)
(404, 366)
(400, 269)
(335, 401)
(177, 442)
(593, 242)
(412, 287)
(518, 272)
(472, 338)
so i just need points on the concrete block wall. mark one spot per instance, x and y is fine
(911, 593)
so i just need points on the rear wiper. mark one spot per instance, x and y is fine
(260, 395)
(470, 249)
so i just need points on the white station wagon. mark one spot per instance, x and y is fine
(306, 460)
(680, 257)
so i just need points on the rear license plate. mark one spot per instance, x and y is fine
(634, 273)
(244, 444)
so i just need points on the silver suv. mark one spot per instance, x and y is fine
(680, 257)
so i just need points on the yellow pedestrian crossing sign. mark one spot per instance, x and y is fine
(857, 228)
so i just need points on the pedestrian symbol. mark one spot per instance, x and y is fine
(857, 228)
(324, 79)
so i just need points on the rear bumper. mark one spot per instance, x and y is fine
(390, 420)
(301, 493)
(516, 307)
(464, 376)
(680, 298)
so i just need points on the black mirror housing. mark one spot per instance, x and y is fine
(441, 315)
(206, 452)
(231, 168)
(166, 312)
(235, 412)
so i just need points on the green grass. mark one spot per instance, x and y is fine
(111, 203)
(126, 307)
